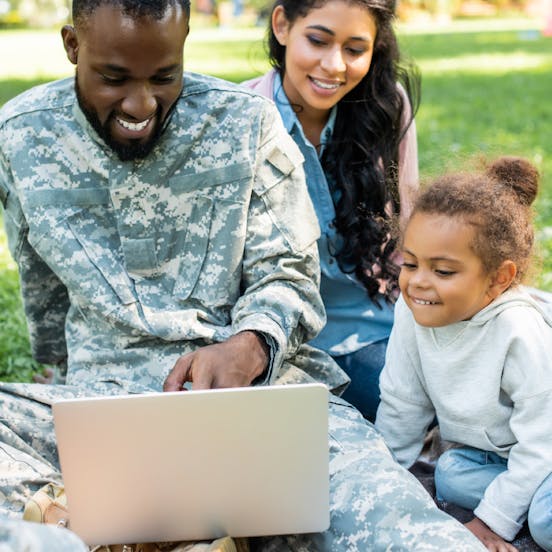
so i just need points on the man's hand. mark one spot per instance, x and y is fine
(488, 537)
(234, 363)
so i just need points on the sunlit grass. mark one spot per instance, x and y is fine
(491, 64)
(32, 54)
(486, 94)
(35, 54)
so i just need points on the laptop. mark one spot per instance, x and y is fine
(195, 465)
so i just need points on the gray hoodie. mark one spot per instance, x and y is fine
(489, 381)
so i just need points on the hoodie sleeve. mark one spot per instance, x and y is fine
(527, 380)
(405, 410)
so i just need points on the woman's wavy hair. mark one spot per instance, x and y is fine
(361, 160)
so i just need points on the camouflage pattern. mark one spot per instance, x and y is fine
(126, 266)
(20, 536)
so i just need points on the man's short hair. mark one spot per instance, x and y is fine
(82, 9)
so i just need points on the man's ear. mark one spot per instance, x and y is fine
(280, 25)
(502, 279)
(70, 43)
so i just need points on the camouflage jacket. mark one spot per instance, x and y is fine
(125, 266)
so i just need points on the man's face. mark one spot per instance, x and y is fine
(129, 74)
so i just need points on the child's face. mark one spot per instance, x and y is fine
(442, 280)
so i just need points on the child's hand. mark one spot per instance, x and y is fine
(488, 537)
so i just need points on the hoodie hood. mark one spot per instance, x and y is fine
(519, 296)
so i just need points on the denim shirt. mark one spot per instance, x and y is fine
(354, 321)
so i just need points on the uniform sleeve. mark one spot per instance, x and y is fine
(405, 410)
(45, 298)
(527, 380)
(281, 271)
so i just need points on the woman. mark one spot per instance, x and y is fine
(335, 80)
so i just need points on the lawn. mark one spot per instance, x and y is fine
(485, 92)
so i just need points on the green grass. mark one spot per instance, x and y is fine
(15, 361)
(485, 92)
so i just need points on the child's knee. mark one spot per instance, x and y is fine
(448, 460)
(446, 471)
(450, 464)
(457, 477)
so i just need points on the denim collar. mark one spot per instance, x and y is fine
(289, 117)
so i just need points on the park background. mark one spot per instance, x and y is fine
(486, 71)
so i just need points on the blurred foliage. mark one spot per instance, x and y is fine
(48, 13)
(33, 13)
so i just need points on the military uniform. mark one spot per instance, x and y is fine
(126, 266)
(16, 536)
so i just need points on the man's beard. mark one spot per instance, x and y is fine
(135, 149)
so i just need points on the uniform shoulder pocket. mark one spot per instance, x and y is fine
(277, 165)
(280, 182)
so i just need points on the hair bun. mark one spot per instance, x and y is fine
(518, 174)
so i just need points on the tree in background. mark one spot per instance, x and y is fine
(51, 13)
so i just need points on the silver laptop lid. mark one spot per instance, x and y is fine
(195, 465)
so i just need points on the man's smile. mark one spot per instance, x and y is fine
(135, 127)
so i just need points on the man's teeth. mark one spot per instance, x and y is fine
(133, 126)
(326, 85)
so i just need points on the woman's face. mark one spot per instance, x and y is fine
(328, 52)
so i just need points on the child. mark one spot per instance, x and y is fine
(474, 349)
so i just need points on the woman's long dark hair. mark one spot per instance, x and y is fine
(361, 160)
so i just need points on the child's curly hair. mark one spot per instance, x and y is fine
(497, 202)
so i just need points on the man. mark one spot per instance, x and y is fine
(164, 235)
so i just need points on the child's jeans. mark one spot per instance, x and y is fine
(463, 474)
